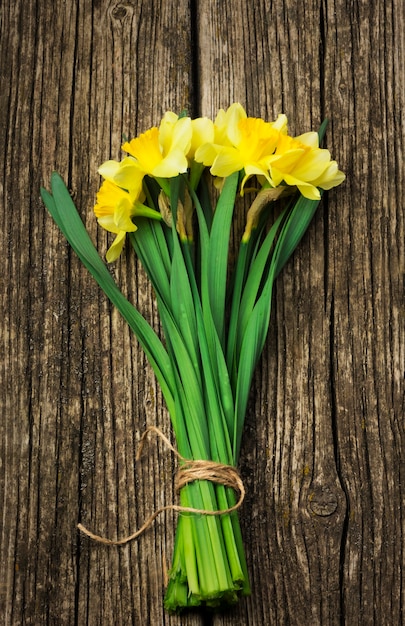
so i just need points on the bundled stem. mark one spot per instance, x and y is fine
(209, 563)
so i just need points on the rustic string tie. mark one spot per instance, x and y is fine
(188, 472)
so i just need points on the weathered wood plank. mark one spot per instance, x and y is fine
(365, 69)
(40, 482)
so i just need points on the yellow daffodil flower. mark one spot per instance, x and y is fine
(115, 207)
(253, 141)
(300, 162)
(209, 149)
(113, 210)
(161, 152)
(244, 143)
(125, 174)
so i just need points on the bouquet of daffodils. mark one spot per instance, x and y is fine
(214, 314)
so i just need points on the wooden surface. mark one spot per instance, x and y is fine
(323, 457)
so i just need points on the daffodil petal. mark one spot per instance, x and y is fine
(255, 170)
(175, 163)
(233, 117)
(331, 177)
(312, 165)
(109, 169)
(285, 161)
(207, 153)
(122, 217)
(309, 139)
(116, 247)
(203, 133)
(281, 123)
(130, 177)
(181, 139)
(226, 163)
(276, 176)
(307, 190)
(107, 222)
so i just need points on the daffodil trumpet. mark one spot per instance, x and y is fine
(214, 318)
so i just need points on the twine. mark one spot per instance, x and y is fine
(188, 472)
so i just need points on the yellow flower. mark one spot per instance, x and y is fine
(116, 206)
(113, 209)
(300, 162)
(209, 149)
(161, 152)
(254, 141)
(225, 121)
(125, 174)
(241, 143)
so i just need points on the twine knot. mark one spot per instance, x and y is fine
(189, 471)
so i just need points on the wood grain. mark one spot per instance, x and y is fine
(323, 454)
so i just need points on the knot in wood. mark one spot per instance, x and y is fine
(322, 500)
(119, 12)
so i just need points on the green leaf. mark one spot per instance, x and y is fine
(182, 303)
(294, 229)
(252, 345)
(64, 212)
(258, 272)
(216, 267)
(150, 246)
(217, 367)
